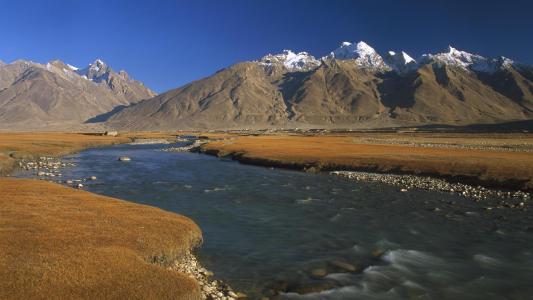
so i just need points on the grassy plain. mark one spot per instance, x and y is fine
(501, 160)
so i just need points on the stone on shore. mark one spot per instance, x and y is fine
(111, 133)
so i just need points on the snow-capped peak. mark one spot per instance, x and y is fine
(363, 54)
(98, 62)
(97, 65)
(97, 71)
(455, 57)
(491, 65)
(505, 62)
(400, 62)
(349, 50)
(467, 60)
(301, 61)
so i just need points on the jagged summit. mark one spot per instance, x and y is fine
(350, 88)
(402, 56)
(301, 61)
(400, 61)
(35, 95)
(353, 87)
(364, 55)
(469, 61)
(97, 71)
(454, 57)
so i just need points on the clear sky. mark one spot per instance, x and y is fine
(166, 44)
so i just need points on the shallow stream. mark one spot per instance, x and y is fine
(268, 229)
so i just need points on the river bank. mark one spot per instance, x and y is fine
(63, 242)
(508, 170)
(60, 242)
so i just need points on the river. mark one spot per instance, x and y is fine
(268, 229)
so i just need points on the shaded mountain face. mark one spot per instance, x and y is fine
(59, 96)
(352, 87)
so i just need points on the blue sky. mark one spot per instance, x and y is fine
(166, 44)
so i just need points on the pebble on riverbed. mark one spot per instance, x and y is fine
(407, 182)
(44, 166)
(210, 289)
(194, 145)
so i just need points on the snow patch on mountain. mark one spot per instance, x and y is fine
(73, 68)
(301, 61)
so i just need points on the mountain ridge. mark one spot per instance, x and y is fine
(352, 87)
(55, 95)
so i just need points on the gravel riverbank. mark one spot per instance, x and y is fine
(210, 289)
(509, 199)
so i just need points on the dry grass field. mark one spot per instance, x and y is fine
(474, 159)
(59, 243)
(62, 243)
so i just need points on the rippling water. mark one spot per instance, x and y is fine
(266, 228)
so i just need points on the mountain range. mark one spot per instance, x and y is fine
(354, 86)
(58, 96)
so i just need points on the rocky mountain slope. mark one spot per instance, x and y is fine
(352, 87)
(58, 96)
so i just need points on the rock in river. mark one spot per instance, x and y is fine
(319, 273)
(344, 266)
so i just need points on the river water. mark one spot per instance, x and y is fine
(268, 229)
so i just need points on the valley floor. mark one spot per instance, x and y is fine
(496, 160)
(59, 242)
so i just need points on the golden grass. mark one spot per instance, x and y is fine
(57, 242)
(498, 168)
